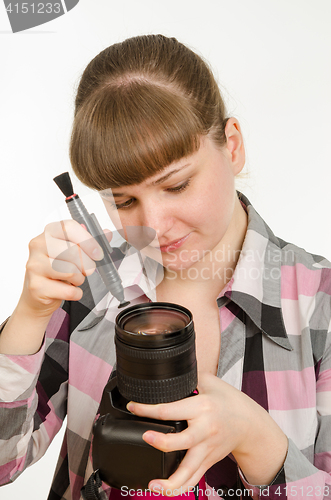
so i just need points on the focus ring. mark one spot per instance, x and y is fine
(168, 352)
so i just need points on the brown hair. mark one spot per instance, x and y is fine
(140, 105)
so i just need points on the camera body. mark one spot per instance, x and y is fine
(119, 452)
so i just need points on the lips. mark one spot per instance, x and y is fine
(174, 244)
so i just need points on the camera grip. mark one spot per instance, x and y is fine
(124, 459)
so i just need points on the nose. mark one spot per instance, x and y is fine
(156, 215)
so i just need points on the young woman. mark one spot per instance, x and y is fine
(151, 134)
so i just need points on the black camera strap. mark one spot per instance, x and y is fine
(91, 489)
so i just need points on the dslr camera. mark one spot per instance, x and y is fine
(155, 363)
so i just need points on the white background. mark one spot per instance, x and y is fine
(271, 57)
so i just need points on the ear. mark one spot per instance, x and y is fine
(235, 145)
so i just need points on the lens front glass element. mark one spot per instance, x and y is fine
(156, 321)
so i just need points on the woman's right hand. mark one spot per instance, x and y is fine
(59, 260)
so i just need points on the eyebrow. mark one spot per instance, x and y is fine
(159, 180)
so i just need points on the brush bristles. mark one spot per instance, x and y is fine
(63, 181)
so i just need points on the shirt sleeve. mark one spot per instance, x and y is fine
(33, 394)
(299, 478)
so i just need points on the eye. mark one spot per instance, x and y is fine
(126, 204)
(129, 203)
(179, 189)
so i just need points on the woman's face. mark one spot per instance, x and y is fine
(190, 204)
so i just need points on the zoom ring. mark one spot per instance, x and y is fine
(157, 391)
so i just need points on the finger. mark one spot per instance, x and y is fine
(64, 251)
(172, 441)
(183, 409)
(67, 271)
(41, 267)
(188, 474)
(61, 290)
(70, 230)
(45, 290)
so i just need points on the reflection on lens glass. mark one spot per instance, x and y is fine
(156, 321)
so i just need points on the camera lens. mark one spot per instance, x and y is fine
(155, 352)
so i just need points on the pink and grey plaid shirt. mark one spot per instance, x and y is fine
(275, 317)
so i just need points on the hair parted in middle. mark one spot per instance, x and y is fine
(142, 104)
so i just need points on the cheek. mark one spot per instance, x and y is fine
(214, 206)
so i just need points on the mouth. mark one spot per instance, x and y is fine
(174, 244)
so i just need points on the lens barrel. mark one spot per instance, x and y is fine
(155, 352)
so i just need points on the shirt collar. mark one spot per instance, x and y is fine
(255, 285)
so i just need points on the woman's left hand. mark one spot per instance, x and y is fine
(221, 420)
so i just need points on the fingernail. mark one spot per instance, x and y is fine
(97, 254)
(130, 407)
(149, 437)
(88, 272)
(154, 487)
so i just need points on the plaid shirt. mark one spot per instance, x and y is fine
(275, 322)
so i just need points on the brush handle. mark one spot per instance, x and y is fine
(106, 267)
